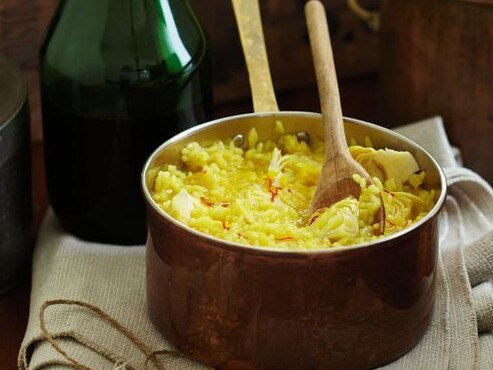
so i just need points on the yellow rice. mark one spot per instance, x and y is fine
(260, 195)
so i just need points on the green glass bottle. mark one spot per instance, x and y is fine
(118, 78)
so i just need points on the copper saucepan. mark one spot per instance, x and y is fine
(232, 306)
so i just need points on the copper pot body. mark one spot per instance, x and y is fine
(236, 307)
(435, 59)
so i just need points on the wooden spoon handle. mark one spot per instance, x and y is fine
(247, 13)
(328, 90)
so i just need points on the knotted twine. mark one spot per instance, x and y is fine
(150, 354)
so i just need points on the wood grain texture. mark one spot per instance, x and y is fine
(23, 24)
(287, 44)
(440, 64)
(14, 310)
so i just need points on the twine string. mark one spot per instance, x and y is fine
(151, 356)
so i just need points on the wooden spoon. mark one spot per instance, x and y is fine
(336, 179)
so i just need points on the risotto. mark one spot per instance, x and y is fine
(260, 194)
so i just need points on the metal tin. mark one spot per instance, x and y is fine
(16, 215)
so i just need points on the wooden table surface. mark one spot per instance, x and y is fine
(359, 99)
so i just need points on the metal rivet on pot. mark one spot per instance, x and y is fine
(303, 136)
(239, 140)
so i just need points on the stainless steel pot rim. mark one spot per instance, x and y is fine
(266, 250)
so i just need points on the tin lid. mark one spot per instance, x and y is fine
(12, 91)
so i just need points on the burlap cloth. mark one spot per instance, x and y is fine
(112, 278)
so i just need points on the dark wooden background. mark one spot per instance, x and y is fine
(23, 24)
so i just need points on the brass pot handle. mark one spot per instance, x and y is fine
(371, 18)
(248, 19)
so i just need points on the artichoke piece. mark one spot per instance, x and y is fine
(339, 222)
(386, 164)
(401, 208)
(396, 165)
(181, 206)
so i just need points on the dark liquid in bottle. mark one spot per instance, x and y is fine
(95, 154)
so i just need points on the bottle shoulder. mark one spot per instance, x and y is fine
(122, 45)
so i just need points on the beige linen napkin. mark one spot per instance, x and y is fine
(113, 279)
